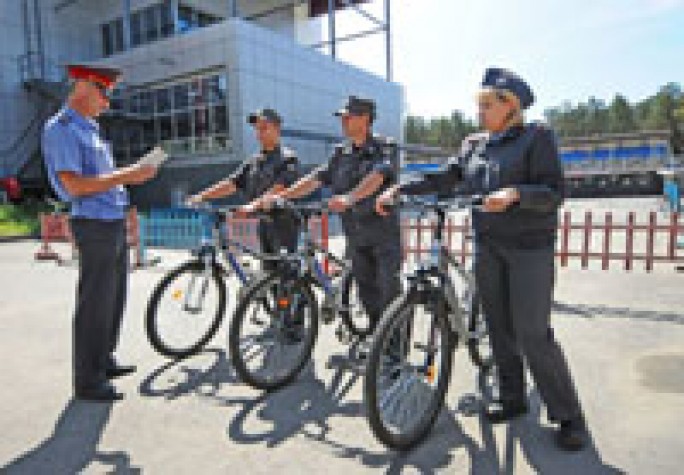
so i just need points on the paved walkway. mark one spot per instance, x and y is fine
(623, 334)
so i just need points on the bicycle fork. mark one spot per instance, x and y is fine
(207, 259)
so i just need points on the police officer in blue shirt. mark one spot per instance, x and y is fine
(358, 171)
(517, 168)
(81, 170)
(270, 170)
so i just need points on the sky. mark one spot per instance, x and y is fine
(567, 50)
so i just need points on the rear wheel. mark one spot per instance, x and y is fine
(273, 331)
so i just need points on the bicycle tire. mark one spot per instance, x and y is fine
(152, 312)
(253, 294)
(401, 308)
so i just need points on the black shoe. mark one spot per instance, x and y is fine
(505, 412)
(103, 393)
(572, 435)
(119, 370)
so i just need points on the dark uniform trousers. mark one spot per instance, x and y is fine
(100, 298)
(516, 287)
(376, 271)
(277, 233)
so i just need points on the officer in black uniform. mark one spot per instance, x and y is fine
(271, 170)
(358, 171)
(517, 168)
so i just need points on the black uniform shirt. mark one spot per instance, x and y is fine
(525, 158)
(264, 170)
(348, 166)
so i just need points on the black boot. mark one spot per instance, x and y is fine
(572, 435)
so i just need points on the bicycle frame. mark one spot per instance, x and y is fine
(422, 282)
(307, 250)
(220, 243)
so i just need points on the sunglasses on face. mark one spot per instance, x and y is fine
(104, 91)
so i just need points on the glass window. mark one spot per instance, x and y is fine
(209, 87)
(149, 135)
(118, 36)
(201, 122)
(204, 19)
(196, 93)
(220, 120)
(146, 102)
(180, 96)
(220, 142)
(135, 142)
(222, 87)
(150, 15)
(107, 46)
(165, 127)
(136, 29)
(117, 103)
(183, 129)
(163, 100)
(167, 26)
(133, 103)
(190, 117)
(187, 20)
(215, 89)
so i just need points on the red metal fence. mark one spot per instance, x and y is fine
(613, 237)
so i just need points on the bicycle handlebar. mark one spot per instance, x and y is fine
(437, 203)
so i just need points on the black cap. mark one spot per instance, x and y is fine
(498, 78)
(357, 106)
(267, 114)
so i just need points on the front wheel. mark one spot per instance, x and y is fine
(186, 309)
(273, 331)
(408, 370)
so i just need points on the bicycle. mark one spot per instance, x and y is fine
(275, 324)
(195, 287)
(410, 357)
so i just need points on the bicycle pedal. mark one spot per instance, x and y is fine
(192, 310)
(343, 336)
(327, 315)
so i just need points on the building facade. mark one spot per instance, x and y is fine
(192, 71)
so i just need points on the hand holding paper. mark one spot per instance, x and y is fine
(153, 158)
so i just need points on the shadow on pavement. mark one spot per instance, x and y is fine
(72, 446)
(537, 446)
(183, 379)
(305, 408)
(603, 311)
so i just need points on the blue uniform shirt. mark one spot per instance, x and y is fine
(72, 143)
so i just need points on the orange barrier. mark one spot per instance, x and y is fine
(54, 227)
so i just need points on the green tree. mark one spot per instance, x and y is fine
(621, 115)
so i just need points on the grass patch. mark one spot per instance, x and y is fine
(20, 220)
